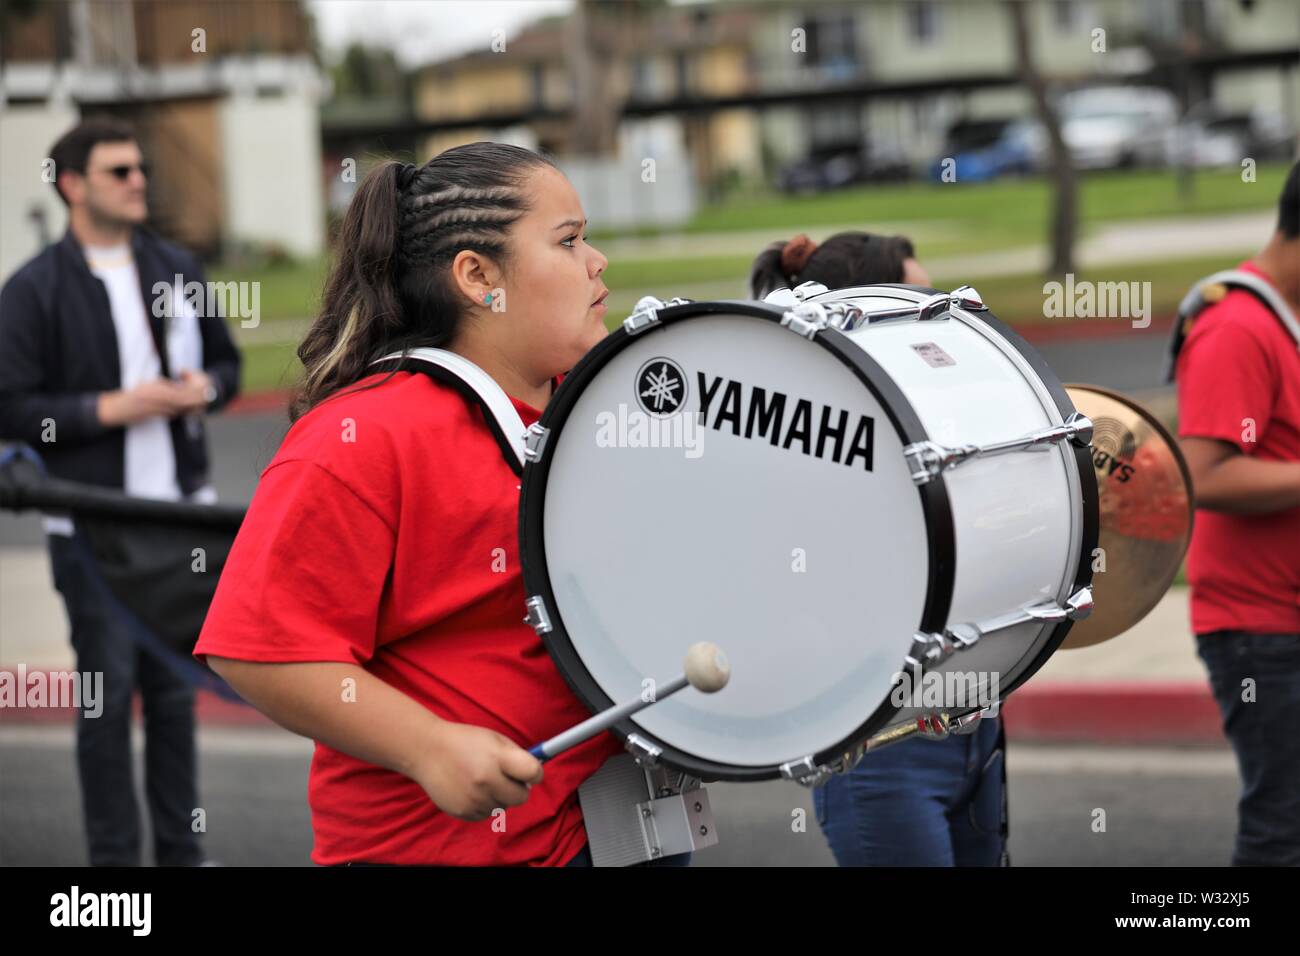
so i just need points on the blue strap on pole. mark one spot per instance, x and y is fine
(189, 670)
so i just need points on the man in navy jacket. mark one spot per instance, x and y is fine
(107, 372)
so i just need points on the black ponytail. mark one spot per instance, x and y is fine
(766, 275)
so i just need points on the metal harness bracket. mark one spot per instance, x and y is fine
(805, 772)
(535, 441)
(537, 617)
(646, 753)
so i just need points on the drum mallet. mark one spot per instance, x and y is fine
(706, 669)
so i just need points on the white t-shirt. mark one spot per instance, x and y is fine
(150, 457)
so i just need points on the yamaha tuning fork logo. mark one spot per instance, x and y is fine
(661, 387)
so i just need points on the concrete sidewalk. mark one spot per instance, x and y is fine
(1108, 243)
(1145, 687)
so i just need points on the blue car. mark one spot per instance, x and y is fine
(987, 149)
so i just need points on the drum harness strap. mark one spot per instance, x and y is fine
(477, 386)
(1212, 289)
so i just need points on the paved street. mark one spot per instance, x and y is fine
(1163, 807)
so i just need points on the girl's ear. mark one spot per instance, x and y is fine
(474, 275)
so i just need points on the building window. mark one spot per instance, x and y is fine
(832, 45)
(923, 21)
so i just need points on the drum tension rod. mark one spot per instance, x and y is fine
(809, 318)
(928, 459)
(935, 725)
(805, 289)
(645, 313)
(935, 647)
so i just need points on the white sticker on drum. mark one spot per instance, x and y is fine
(934, 356)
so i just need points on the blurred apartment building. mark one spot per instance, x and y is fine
(738, 89)
(225, 98)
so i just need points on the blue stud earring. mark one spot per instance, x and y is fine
(487, 299)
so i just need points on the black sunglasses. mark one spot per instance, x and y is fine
(125, 170)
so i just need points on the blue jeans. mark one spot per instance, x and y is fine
(920, 803)
(1263, 736)
(103, 644)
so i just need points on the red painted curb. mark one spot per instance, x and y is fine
(257, 403)
(1138, 712)
(209, 708)
(1160, 713)
(1072, 330)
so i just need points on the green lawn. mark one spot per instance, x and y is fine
(288, 291)
(270, 366)
(1005, 206)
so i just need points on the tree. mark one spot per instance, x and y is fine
(600, 35)
(367, 73)
(1060, 167)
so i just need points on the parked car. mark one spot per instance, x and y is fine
(836, 167)
(987, 149)
(1110, 126)
(1208, 137)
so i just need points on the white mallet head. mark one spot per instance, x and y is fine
(707, 669)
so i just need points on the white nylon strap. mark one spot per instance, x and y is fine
(1261, 288)
(492, 394)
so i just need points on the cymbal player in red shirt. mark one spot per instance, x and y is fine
(1238, 377)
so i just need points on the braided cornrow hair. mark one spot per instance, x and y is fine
(390, 286)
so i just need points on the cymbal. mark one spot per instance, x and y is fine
(1146, 506)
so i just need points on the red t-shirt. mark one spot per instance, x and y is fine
(384, 533)
(1238, 365)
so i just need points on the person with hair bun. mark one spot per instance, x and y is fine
(373, 600)
(917, 802)
(839, 262)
